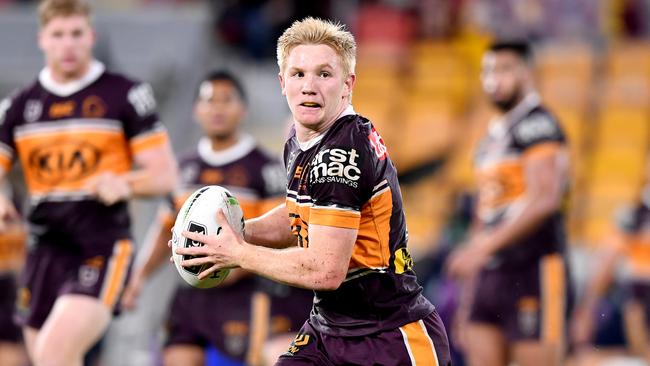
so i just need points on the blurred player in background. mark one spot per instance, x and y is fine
(237, 316)
(629, 246)
(78, 130)
(342, 230)
(516, 253)
(12, 257)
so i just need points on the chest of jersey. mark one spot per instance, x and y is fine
(64, 141)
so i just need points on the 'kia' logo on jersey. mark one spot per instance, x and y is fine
(68, 161)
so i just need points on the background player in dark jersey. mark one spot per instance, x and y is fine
(518, 304)
(630, 246)
(78, 131)
(342, 230)
(249, 309)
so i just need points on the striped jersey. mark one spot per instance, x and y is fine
(345, 178)
(66, 135)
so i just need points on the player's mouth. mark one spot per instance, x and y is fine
(310, 105)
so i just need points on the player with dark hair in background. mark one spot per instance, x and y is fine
(515, 261)
(78, 132)
(238, 316)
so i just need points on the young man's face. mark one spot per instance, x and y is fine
(503, 74)
(219, 108)
(315, 84)
(67, 43)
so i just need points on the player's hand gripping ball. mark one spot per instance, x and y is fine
(198, 214)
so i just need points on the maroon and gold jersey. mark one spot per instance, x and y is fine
(634, 224)
(250, 174)
(66, 135)
(527, 132)
(346, 179)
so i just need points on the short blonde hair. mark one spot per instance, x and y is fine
(50, 9)
(314, 31)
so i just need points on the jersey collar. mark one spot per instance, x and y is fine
(304, 146)
(243, 147)
(95, 70)
(498, 126)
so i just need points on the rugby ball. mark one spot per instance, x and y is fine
(198, 214)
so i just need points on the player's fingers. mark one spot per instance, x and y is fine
(204, 274)
(195, 236)
(196, 261)
(222, 220)
(193, 251)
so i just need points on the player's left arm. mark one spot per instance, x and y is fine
(546, 173)
(156, 171)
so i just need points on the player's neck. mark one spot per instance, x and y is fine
(221, 143)
(64, 78)
(307, 133)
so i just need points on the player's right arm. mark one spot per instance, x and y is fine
(154, 254)
(583, 321)
(271, 230)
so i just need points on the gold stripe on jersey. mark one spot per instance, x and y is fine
(553, 299)
(61, 159)
(372, 248)
(148, 140)
(336, 217)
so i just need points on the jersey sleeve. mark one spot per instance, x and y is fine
(8, 115)
(538, 134)
(341, 180)
(141, 123)
(275, 180)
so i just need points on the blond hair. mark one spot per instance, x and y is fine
(50, 9)
(314, 31)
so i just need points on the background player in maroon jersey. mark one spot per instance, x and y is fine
(248, 307)
(78, 130)
(342, 230)
(518, 302)
(628, 246)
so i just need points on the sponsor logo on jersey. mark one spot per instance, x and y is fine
(535, 127)
(33, 110)
(93, 107)
(377, 144)
(336, 165)
(67, 161)
(299, 342)
(62, 109)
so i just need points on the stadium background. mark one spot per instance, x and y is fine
(418, 68)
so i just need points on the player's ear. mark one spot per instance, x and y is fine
(282, 83)
(41, 39)
(349, 84)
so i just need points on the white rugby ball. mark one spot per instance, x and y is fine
(198, 214)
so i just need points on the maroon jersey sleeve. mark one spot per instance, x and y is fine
(141, 124)
(341, 179)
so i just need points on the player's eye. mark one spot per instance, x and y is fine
(325, 74)
(77, 33)
(299, 74)
(57, 34)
